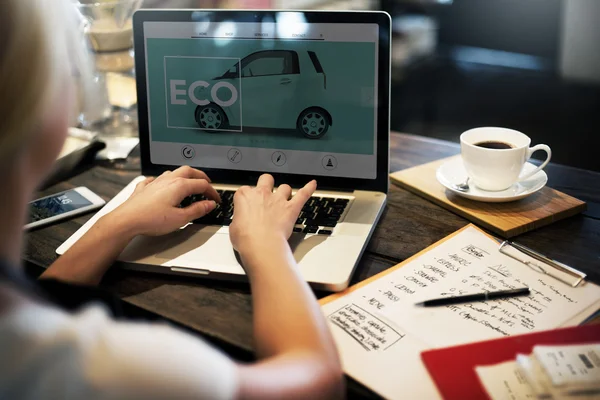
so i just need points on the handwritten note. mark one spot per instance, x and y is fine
(378, 322)
(370, 332)
(475, 268)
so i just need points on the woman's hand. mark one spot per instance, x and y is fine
(261, 215)
(153, 208)
(299, 358)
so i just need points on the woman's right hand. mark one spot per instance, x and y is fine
(299, 358)
(262, 216)
(154, 207)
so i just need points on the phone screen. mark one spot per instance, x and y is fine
(55, 205)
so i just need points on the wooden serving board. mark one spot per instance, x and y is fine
(506, 219)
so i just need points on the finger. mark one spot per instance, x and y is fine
(197, 186)
(189, 172)
(302, 195)
(198, 209)
(266, 181)
(284, 191)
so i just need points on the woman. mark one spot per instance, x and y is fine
(50, 353)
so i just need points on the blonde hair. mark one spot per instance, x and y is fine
(40, 44)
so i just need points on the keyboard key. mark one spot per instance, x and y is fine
(324, 232)
(334, 212)
(297, 229)
(311, 229)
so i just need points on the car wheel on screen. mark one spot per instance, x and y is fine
(210, 117)
(313, 123)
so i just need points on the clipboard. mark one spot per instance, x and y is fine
(542, 264)
(380, 334)
(528, 257)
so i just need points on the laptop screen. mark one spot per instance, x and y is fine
(281, 97)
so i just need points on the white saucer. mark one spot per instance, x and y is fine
(453, 172)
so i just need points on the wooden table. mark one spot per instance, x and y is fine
(222, 313)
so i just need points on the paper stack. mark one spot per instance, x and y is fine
(549, 372)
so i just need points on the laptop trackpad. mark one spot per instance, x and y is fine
(170, 246)
(301, 245)
(198, 242)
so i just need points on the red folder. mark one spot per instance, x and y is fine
(453, 368)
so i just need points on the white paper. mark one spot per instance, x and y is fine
(505, 381)
(571, 365)
(389, 361)
(535, 376)
(377, 353)
(583, 315)
(524, 379)
(71, 145)
(117, 147)
(470, 263)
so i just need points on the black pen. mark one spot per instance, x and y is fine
(475, 297)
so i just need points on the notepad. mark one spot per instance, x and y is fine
(380, 333)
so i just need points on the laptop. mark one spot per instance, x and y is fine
(299, 95)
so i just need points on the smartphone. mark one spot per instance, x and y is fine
(61, 206)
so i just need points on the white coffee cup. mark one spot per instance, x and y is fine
(498, 169)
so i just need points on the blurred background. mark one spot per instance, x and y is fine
(530, 65)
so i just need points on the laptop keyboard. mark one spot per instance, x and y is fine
(319, 215)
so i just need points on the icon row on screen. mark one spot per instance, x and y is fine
(278, 158)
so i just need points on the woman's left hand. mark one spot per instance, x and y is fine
(153, 208)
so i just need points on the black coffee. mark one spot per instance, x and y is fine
(492, 144)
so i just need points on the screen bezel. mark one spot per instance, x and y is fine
(382, 19)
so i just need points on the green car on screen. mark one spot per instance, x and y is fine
(282, 89)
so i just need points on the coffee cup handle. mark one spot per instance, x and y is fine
(530, 151)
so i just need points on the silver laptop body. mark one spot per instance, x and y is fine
(299, 95)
